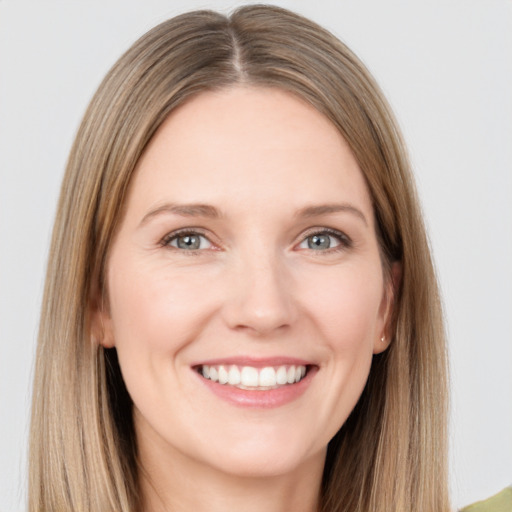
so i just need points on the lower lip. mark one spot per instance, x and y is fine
(262, 399)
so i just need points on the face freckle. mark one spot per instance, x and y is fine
(247, 246)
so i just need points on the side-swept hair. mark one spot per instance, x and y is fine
(390, 455)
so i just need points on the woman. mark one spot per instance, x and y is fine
(240, 306)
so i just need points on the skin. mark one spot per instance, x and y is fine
(254, 288)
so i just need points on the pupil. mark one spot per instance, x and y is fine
(188, 242)
(319, 242)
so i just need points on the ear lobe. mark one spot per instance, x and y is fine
(106, 335)
(387, 308)
(101, 324)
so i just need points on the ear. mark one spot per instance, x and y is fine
(385, 335)
(100, 320)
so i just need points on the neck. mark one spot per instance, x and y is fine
(176, 483)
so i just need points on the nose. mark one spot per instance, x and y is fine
(261, 300)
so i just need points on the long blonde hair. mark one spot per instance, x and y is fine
(391, 452)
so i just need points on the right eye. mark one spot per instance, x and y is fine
(188, 241)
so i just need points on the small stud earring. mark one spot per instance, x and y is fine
(383, 339)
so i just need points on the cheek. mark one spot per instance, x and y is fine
(344, 313)
(152, 310)
(346, 307)
(155, 315)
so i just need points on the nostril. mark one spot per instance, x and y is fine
(261, 328)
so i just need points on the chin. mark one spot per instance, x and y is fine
(266, 465)
(263, 455)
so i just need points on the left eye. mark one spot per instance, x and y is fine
(189, 241)
(320, 242)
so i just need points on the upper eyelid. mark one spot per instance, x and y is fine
(324, 229)
(329, 231)
(185, 231)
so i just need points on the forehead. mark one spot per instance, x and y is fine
(251, 145)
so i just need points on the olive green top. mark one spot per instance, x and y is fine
(501, 502)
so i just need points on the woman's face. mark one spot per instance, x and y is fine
(246, 292)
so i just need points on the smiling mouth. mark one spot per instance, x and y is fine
(252, 378)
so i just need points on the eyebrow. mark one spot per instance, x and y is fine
(183, 210)
(325, 209)
(209, 211)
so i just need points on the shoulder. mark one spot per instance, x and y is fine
(501, 502)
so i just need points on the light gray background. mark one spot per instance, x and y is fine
(446, 67)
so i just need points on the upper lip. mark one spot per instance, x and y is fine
(256, 362)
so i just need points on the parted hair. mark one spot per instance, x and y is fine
(390, 455)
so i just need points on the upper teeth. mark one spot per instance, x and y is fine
(254, 378)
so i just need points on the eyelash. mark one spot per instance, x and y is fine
(167, 239)
(344, 241)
